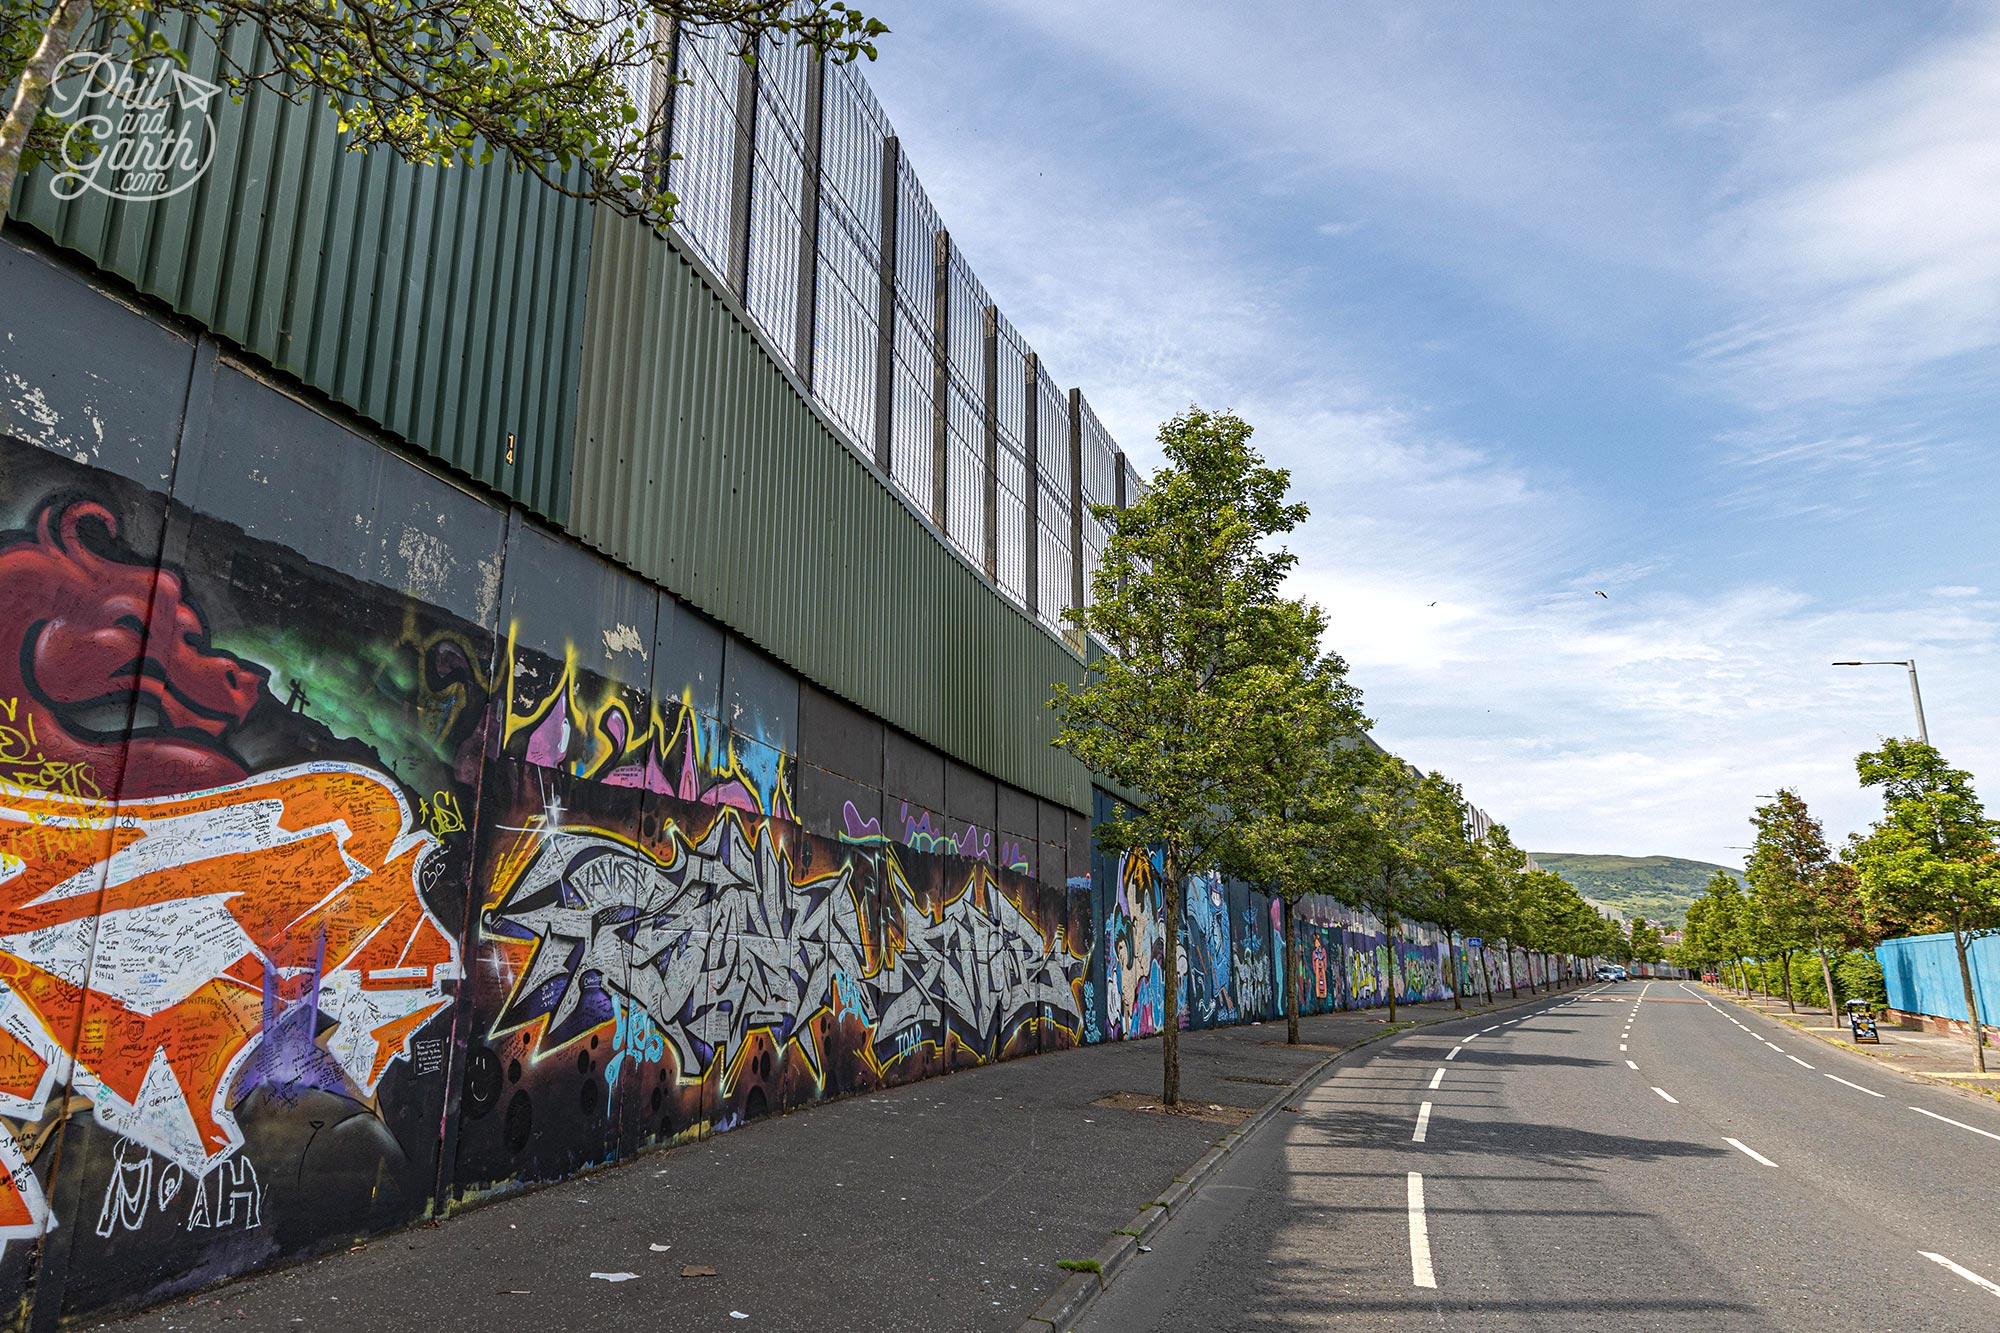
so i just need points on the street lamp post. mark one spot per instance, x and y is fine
(1916, 695)
(1964, 967)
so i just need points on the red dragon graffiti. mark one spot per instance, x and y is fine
(146, 941)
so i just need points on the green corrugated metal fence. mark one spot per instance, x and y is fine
(699, 464)
(444, 305)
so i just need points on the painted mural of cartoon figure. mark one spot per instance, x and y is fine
(150, 949)
(1135, 986)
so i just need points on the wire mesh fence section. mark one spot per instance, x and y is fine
(965, 450)
(850, 254)
(1013, 484)
(704, 134)
(1053, 572)
(613, 39)
(777, 188)
(955, 385)
(1100, 487)
(910, 418)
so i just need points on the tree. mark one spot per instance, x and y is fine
(1933, 858)
(1446, 864)
(1299, 826)
(1647, 945)
(1799, 887)
(1391, 803)
(1492, 914)
(1185, 603)
(545, 88)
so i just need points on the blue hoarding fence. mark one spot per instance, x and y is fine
(1920, 974)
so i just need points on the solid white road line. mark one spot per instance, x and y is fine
(1856, 1086)
(1454, 1052)
(1423, 1123)
(1749, 1151)
(1630, 1065)
(1421, 1272)
(1965, 1273)
(1437, 1078)
(1795, 1060)
(1949, 1121)
(1668, 1095)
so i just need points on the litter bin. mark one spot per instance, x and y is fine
(1861, 1022)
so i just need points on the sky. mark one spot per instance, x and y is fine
(1694, 305)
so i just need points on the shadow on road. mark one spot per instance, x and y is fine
(1550, 1145)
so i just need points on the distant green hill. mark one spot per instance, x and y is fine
(1659, 887)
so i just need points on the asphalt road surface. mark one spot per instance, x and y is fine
(1632, 1156)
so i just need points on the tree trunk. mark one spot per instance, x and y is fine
(1291, 977)
(1785, 961)
(1486, 971)
(1170, 1031)
(1971, 1000)
(31, 93)
(1451, 960)
(1393, 969)
(1826, 972)
(1513, 982)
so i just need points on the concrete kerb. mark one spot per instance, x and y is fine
(1073, 1298)
(1969, 1089)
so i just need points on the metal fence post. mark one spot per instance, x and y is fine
(885, 309)
(941, 382)
(660, 113)
(1031, 450)
(990, 393)
(1076, 498)
(742, 172)
(814, 134)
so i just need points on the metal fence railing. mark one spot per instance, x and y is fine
(795, 192)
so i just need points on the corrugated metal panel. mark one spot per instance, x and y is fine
(444, 305)
(699, 464)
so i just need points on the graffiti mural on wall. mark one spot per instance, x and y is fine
(920, 831)
(304, 881)
(662, 949)
(1134, 951)
(1208, 990)
(229, 927)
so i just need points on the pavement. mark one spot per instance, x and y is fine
(945, 1205)
(1939, 1057)
(1643, 1155)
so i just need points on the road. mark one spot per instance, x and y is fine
(1641, 1155)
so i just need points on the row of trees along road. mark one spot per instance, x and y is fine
(1930, 863)
(1217, 706)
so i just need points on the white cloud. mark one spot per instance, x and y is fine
(1873, 256)
(1460, 575)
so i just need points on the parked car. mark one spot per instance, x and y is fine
(1605, 972)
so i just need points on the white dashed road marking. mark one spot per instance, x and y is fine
(1630, 1065)
(1668, 1095)
(1421, 1272)
(1856, 1086)
(1423, 1123)
(1965, 1273)
(1795, 1060)
(1454, 1052)
(1949, 1121)
(1749, 1152)
(1437, 1078)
